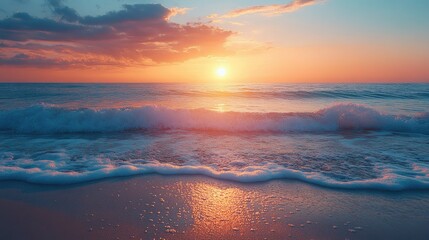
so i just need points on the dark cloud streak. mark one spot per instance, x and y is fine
(66, 13)
(138, 12)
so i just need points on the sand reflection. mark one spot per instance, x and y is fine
(218, 210)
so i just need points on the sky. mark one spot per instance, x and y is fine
(193, 40)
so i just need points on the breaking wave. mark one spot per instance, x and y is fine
(340, 117)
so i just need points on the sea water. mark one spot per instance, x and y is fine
(355, 136)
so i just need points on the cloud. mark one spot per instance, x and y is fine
(64, 12)
(274, 9)
(139, 34)
(22, 59)
(138, 12)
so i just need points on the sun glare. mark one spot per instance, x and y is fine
(221, 72)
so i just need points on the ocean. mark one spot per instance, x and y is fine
(347, 136)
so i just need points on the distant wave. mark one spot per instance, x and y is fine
(306, 94)
(340, 117)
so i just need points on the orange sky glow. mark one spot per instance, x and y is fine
(262, 43)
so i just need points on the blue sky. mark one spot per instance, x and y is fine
(344, 19)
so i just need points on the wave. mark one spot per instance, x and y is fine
(387, 182)
(340, 117)
(306, 94)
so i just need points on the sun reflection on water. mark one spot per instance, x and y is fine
(220, 107)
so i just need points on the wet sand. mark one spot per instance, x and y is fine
(196, 207)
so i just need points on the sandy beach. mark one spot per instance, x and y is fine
(196, 207)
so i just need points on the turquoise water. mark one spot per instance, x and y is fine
(343, 136)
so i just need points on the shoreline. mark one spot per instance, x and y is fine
(197, 207)
(215, 178)
(125, 172)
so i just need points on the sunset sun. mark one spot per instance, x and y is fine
(221, 72)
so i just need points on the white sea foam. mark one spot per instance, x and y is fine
(330, 160)
(48, 175)
(51, 119)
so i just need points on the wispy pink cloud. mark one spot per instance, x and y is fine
(274, 9)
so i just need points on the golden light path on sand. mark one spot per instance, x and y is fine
(218, 210)
(225, 208)
(224, 212)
